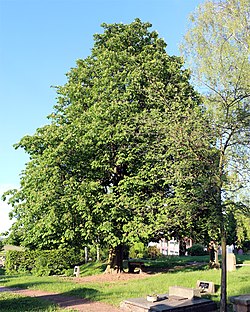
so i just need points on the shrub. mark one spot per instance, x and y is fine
(42, 265)
(138, 250)
(19, 261)
(196, 250)
(41, 262)
(246, 246)
(153, 252)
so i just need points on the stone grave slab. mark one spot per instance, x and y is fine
(169, 304)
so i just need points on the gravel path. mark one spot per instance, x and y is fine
(64, 302)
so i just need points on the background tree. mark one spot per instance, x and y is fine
(217, 46)
(125, 155)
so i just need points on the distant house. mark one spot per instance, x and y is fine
(171, 247)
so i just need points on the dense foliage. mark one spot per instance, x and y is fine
(41, 263)
(127, 154)
(196, 250)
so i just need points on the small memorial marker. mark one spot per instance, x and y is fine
(205, 286)
(77, 271)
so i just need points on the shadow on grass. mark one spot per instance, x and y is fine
(86, 293)
(7, 278)
(11, 302)
(242, 258)
(43, 301)
(175, 269)
(73, 298)
(217, 288)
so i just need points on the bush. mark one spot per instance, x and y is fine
(246, 246)
(2, 271)
(41, 262)
(196, 250)
(19, 261)
(137, 251)
(153, 252)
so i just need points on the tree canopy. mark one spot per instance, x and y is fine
(127, 154)
(217, 46)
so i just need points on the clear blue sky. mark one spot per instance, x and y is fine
(40, 40)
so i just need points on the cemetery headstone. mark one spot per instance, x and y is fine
(77, 271)
(205, 287)
(231, 262)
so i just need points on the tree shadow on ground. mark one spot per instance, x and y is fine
(177, 268)
(86, 293)
(43, 301)
(11, 302)
(6, 278)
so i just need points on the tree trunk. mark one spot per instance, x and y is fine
(223, 296)
(115, 261)
(183, 247)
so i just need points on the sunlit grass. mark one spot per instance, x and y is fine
(115, 292)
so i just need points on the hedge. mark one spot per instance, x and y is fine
(196, 250)
(41, 262)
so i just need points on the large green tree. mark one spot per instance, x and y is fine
(217, 46)
(125, 156)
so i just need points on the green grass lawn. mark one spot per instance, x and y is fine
(13, 303)
(115, 292)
